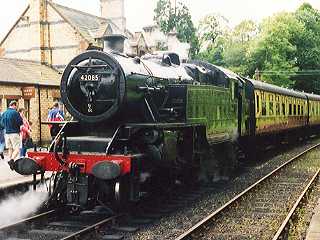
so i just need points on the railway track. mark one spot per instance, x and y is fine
(266, 208)
(56, 224)
(99, 223)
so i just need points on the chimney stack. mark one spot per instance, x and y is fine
(114, 11)
(114, 42)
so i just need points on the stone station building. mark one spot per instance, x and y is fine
(34, 86)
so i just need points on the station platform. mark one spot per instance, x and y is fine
(10, 178)
(313, 232)
(7, 176)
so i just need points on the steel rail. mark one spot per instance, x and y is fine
(92, 228)
(188, 234)
(285, 223)
(26, 220)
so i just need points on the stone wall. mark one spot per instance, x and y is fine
(60, 41)
(48, 95)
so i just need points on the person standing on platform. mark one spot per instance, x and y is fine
(25, 132)
(2, 140)
(11, 121)
(55, 115)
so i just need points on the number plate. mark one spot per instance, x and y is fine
(90, 77)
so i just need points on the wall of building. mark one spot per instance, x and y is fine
(28, 30)
(114, 10)
(60, 42)
(65, 42)
(48, 95)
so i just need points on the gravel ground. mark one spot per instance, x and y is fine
(298, 230)
(172, 226)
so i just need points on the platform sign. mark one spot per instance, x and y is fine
(28, 92)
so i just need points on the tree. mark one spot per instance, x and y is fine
(178, 19)
(274, 51)
(213, 32)
(236, 53)
(308, 49)
(211, 27)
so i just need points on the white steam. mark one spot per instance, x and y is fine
(21, 205)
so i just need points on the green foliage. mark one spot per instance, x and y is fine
(284, 47)
(169, 18)
(308, 49)
(237, 48)
(211, 27)
(275, 51)
(213, 33)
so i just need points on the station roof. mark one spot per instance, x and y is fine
(15, 71)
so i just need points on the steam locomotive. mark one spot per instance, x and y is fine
(141, 122)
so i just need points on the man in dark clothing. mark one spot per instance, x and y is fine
(11, 121)
(2, 141)
(55, 115)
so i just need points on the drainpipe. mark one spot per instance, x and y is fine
(39, 105)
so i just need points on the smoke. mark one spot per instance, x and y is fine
(21, 205)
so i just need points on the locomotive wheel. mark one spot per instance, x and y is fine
(121, 193)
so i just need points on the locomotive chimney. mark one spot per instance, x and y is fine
(114, 11)
(114, 42)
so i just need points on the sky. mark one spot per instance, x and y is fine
(139, 13)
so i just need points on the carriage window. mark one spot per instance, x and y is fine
(257, 103)
(270, 113)
(264, 108)
(278, 108)
(290, 109)
(294, 109)
(298, 109)
(283, 109)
